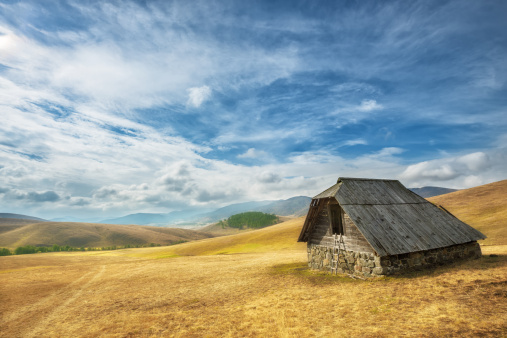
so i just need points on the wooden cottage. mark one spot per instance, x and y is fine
(371, 227)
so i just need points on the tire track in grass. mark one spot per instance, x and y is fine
(38, 330)
(39, 306)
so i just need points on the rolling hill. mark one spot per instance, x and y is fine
(19, 216)
(483, 207)
(8, 224)
(92, 235)
(282, 236)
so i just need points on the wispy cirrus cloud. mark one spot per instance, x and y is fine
(163, 105)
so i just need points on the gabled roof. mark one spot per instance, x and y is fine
(393, 219)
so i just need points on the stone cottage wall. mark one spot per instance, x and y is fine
(365, 264)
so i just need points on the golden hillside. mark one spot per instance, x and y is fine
(91, 234)
(281, 236)
(8, 224)
(483, 207)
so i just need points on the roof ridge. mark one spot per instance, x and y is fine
(422, 202)
(364, 179)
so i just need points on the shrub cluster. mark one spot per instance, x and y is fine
(30, 249)
(5, 252)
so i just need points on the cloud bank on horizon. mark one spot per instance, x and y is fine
(112, 107)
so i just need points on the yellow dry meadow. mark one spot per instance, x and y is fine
(245, 285)
(483, 207)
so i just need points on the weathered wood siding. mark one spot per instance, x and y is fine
(352, 237)
(320, 231)
(354, 240)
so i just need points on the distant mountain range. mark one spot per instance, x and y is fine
(432, 191)
(76, 219)
(177, 218)
(295, 206)
(18, 216)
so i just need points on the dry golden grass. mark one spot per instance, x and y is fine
(250, 284)
(483, 207)
(281, 236)
(8, 224)
(251, 294)
(91, 234)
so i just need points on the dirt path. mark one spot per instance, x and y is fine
(38, 316)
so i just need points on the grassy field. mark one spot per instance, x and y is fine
(248, 284)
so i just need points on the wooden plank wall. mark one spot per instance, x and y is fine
(320, 232)
(352, 237)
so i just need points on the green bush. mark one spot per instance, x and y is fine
(29, 249)
(23, 250)
(5, 252)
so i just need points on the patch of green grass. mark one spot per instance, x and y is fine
(167, 256)
(241, 248)
(384, 304)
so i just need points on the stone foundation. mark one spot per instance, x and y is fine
(366, 264)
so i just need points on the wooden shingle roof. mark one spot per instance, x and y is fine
(393, 219)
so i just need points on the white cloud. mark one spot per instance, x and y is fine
(350, 113)
(269, 177)
(368, 105)
(386, 153)
(198, 95)
(475, 162)
(356, 142)
(458, 171)
(472, 181)
(430, 170)
(254, 153)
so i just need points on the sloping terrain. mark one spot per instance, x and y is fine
(281, 236)
(19, 216)
(483, 207)
(92, 235)
(8, 224)
(266, 290)
(249, 284)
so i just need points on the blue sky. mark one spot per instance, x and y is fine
(111, 108)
